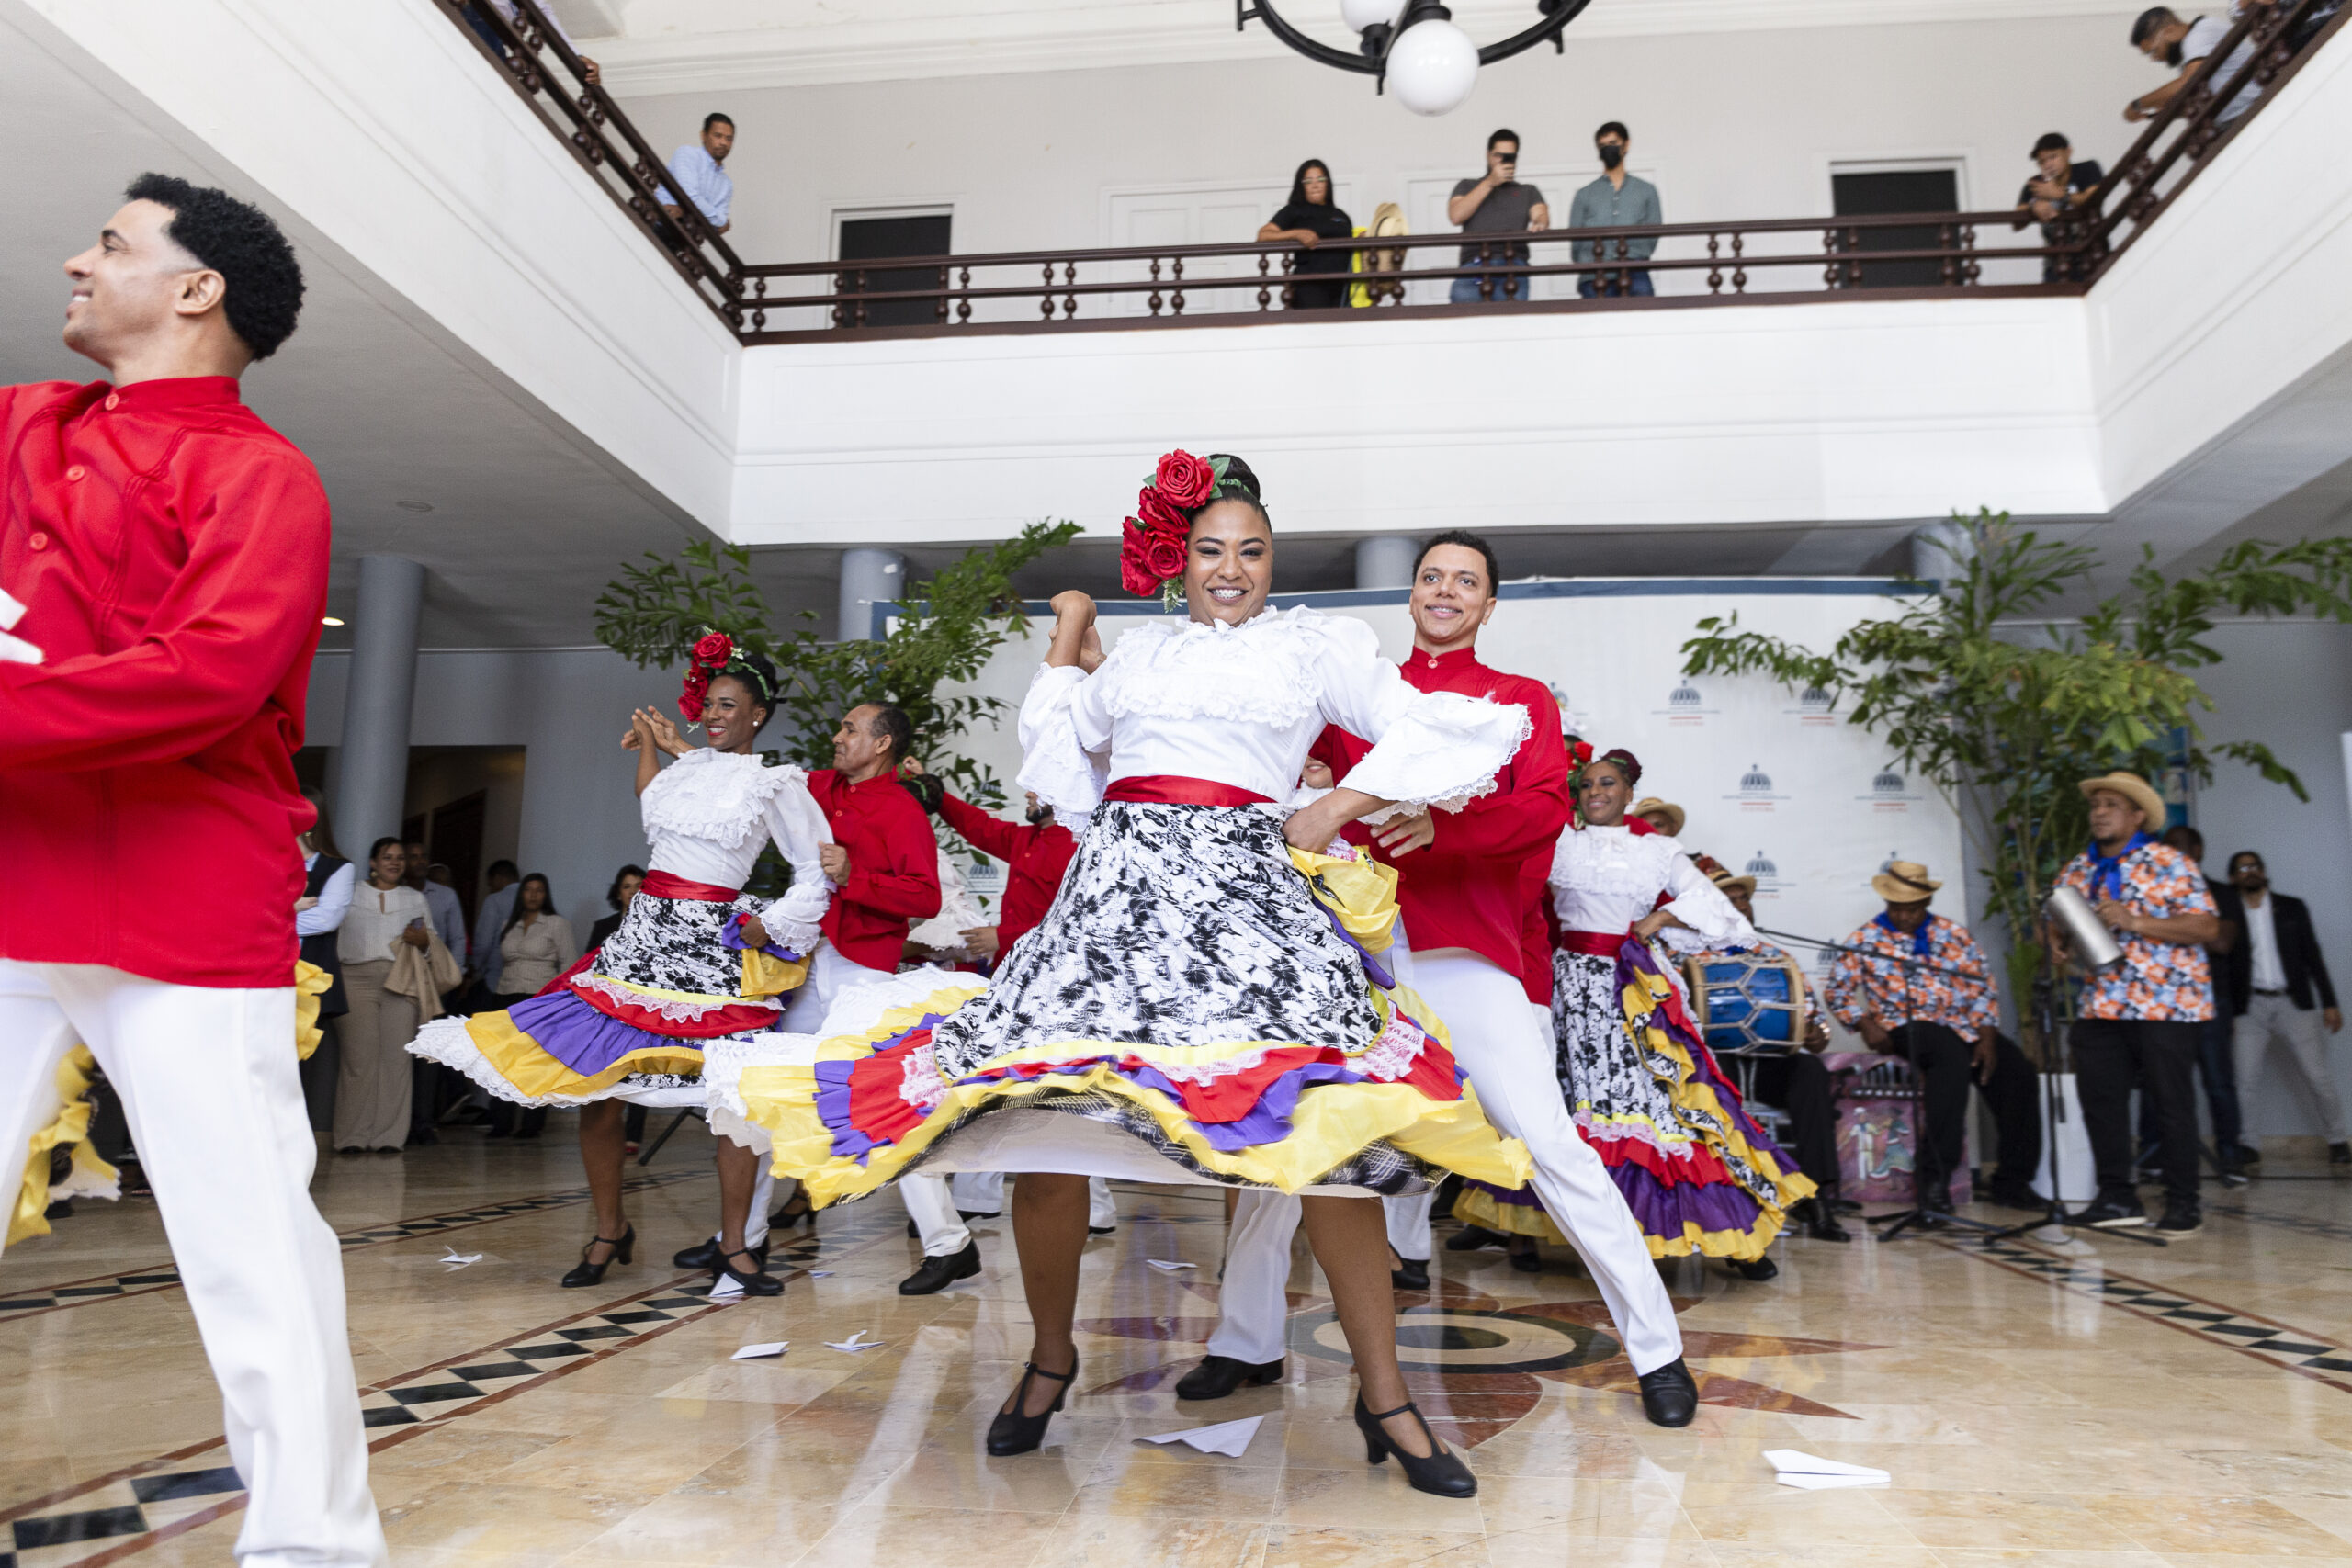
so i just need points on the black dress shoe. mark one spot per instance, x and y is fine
(1217, 1376)
(979, 1213)
(587, 1273)
(938, 1274)
(1100, 1230)
(1014, 1433)
(1439, 1472)
(1819, 1223)
(420, 1137)
(1410, 1274)
(1527, 1259)
(1670, 1394)
(707, 1257)
(1470, 1238)
(1756, 1267)
(2014, 1195)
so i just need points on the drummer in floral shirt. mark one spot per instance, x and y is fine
(1920, 986)
(2138, 1020)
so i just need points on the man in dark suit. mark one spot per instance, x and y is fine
(2272, 976)
(2216, 1066)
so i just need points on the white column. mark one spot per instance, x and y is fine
(1386, 560)
(376, 704)
(869, 576)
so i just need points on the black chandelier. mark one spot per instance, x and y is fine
(1433, 62)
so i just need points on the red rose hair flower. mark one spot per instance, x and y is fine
(714, 650)
(1185, 481)
(1159, 517)
(1164, 558)
(1135, 566)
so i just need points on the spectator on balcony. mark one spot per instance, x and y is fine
(1498, 204)
(507, 8)
(1616, 200)
(1309, 220)
(2161, 35)
(2062, 188)
(694, 169)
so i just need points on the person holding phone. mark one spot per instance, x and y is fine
(372, 1095)
(1498, 204)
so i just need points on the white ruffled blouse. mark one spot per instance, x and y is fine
(1240, 706)
(708, 815)
(1604, 879)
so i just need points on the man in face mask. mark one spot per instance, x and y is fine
(1616, 200)
(2161, 35)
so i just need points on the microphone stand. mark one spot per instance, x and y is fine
(1923, 1153)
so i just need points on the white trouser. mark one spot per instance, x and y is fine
(1409, 1223)
(978, 1191)
(2267, 1019)
(933, 1209)
(1102, 1210)
(207, 1080)
(1508, 1060)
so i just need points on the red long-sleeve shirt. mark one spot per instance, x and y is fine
(171, 551)
(893, 866)
(1480, 883)
(1035, 859)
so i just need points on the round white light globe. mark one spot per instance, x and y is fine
(1361, 14)
(1432, 68)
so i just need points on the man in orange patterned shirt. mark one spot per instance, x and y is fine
(2137, 1021)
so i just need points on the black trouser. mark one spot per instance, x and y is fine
(2014, 1095)
(2111, 1056)
(1940, 1058)
(1799, 1084)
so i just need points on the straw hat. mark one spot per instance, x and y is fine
(1905, 882)
(1722, 877)
(2136, 790)
(1674, 815)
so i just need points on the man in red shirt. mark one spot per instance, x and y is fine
(1465, 894)
(170, 550)
(1035, 854)
(885, 862)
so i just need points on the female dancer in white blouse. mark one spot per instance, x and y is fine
(1694, 1167)
(695, 961)
(1187, 1010)
(371, 1097)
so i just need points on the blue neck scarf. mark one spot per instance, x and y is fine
(1919, 944)
(2107, 871)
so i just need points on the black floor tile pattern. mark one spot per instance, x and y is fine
(2209, 1320)
(155, 1279)
(2332, 1229)
(105, 1517)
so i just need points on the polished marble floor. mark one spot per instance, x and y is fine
(2067, 1405)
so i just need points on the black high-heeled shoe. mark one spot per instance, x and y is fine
(1526, 1260)
(1440, 1472)
(1014, 1433)
(799, 1211)
(586, 1274)
(705, 1258)
(759, 1282)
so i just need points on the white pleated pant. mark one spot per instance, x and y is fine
(1508, 1057)
(209, 1082)
(983, 1193)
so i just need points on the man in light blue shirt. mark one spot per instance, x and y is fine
(1616, 200)
(695, 171)
(490, 922)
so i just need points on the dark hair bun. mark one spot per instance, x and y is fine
(1238, 472)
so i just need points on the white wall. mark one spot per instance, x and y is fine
(567, 708)
(1730, 124)
(2288, 687)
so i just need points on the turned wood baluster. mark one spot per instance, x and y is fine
(1176, 305)
(1046, 306)
(1155, 286)
(964, 303)
(1070, 301)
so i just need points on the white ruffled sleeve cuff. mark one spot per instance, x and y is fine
(796, 921)
(1054, 763)
(1444, 751)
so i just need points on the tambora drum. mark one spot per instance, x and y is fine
(1747, 1002)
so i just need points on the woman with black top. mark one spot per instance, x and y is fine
(1309, 220)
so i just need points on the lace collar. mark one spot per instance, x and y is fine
(1262, 671)
(719, 796)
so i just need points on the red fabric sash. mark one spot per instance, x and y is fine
(662, 885)
(1173, 789)
(1600, 944)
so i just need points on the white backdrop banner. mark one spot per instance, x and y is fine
(1775, 783)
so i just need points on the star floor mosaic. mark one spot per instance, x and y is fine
(117, 1516)
(160, 1277)
(2278, 1344)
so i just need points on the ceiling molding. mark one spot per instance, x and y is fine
(1034, 35)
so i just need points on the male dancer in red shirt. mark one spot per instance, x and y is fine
(171, 553)
(1465, 892)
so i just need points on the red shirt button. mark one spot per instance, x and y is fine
(76, 473)
(39, 541)
(114, 400)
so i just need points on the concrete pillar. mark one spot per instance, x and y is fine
(1941, 551)
(376, 704)
(1386, 560)
(869, 577)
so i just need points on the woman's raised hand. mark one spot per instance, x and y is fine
(1075, 640)
(1071, 604)
(1090, 649)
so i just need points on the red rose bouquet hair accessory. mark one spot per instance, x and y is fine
(1151, 553)
(715, 654)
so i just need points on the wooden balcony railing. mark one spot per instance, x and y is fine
(1929, 254)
